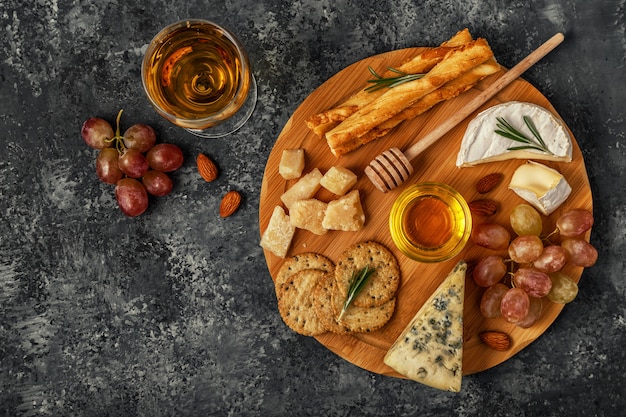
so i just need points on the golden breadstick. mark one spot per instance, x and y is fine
(448, 91)
(421, 63)
(396, 99)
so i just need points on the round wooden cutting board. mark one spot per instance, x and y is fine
(418, 280)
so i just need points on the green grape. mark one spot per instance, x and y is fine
(526, 220)
(563, 290)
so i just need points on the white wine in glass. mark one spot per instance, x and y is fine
(197, 75)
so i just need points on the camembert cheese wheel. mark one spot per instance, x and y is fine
(430, 348)
(482, 144)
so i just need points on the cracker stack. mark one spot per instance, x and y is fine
(311, 291)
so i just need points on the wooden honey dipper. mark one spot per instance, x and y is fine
(391, 168)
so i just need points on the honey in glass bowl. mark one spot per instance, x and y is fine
(430, 222)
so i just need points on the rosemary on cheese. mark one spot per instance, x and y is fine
(504, 128)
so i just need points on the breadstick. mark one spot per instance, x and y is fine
(396, 99)
(448, 91)
(421, 63)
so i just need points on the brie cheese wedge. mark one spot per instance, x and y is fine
(543, 187)
(430, 349)
(482, 144)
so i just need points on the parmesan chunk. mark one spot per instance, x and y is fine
(308, 214)
(291, 163)
(279, 233)
(345, 213)
(338, 180)
(306, 187)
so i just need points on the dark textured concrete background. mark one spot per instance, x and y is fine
(173, 313)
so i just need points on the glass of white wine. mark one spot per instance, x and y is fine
(197, 75)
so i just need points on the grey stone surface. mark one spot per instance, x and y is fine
(173, 313)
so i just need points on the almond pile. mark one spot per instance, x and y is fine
(209, 172)
(485, 207)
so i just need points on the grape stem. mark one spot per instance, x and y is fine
(547, 237)
(118, 138)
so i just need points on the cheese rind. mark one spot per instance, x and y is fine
(543, 187)
(481, 144)
(430, 348)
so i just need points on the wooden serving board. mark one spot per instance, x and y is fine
(418, 280)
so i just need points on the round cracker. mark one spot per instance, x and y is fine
(297, 263)
(296, 302)
(323, 304)
(363, 319)
(381, 286)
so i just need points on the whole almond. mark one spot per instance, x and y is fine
(483, 207)
(230, 203)
(206, 168)
(496, 340)
(488, 182)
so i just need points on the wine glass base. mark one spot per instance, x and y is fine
(233, 123)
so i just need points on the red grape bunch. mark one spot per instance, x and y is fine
(133, 162)
(516, 293)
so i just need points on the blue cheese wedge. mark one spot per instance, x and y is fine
(543, 187)
(481, 144)
(430, 349)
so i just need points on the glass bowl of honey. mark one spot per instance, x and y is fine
(430, 222)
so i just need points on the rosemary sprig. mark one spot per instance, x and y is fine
(357, 282)
(505, 129)
(380, 82)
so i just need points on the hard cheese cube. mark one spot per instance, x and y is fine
(308, 214)
(306, 187)
(277, 237)
(338, 180)
(291, 163)
(345, 213)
